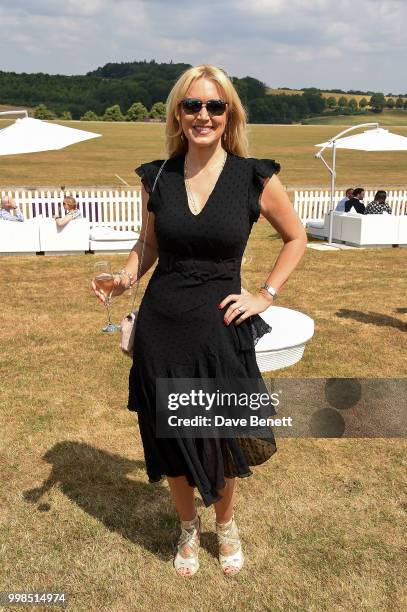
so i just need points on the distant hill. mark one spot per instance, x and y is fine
(149, 82)
(332, 93)
(386, 118)
(140, 71)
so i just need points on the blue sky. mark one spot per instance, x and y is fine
(347, 44)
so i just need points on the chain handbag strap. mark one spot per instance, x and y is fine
(144, 241)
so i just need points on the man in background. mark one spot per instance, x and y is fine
(9, 211)
(340, 207)
(356, 201)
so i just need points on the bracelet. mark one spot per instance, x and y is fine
(129, 276)
(270, 290)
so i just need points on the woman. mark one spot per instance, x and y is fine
(379, 204)
(194, 320)
(71, 212)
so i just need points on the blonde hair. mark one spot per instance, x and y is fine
(234, 138)
(70, 202)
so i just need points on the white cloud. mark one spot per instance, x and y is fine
(359, 44)
(57, 7)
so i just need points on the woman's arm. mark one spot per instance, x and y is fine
(146, 238)
(62, 222)
(276, 207)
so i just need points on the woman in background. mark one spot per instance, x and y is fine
(379, 205)
(71, 212)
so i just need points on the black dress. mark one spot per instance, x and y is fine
(180, 330)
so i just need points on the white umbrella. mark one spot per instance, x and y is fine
(376, 139)
(29, 135)
(371, 140)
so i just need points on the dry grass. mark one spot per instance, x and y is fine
(11, 107)
(323, 522)
(325, 94)
(125, 145)
(388, 118)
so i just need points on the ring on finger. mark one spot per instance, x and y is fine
(240, 309)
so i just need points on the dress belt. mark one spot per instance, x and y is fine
(203, 270)
(200, 269)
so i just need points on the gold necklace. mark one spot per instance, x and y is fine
(190, 196)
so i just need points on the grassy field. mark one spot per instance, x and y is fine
(322, 523)
(8, 107)
(125, 145)
(387, 118)
(326, 94)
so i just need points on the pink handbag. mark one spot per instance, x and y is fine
(128, 323)
(128, 330)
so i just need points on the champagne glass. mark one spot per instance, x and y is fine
(103, 279)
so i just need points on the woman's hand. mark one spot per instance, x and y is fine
(250, 305)
(120, 284)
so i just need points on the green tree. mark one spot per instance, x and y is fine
(343, 102)
(113, 113)
(377, 102)
(331, 102)
(158, 111)
(42, 112)
(399, 102)
(249, 88)
(89, 116)
(313, 99)
(353, 105)
(137, 112)
(363, 103)
(66, 115)
(390, 103)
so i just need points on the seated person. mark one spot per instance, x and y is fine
(71, 212)
(9, 211)
(379, 205)
(356, 201)
(340, 207)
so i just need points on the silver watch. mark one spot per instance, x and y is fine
(270, 290)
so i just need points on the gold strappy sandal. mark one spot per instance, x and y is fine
(186, 560)
(228, 537)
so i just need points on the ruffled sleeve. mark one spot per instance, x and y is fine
(261, 169)
(147, 172)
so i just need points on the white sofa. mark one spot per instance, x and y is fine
(402, 231)
(107, 239)
(72, 238)
(18, 237)
(320, 229)
(43, 235)
(362, 230)
(370, 230)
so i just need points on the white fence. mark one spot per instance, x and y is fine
(314, 204)
(119, 210)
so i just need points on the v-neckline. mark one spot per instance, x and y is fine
(210, 197)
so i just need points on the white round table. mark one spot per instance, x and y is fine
(285, 344)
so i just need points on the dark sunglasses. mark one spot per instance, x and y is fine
(194, 105)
